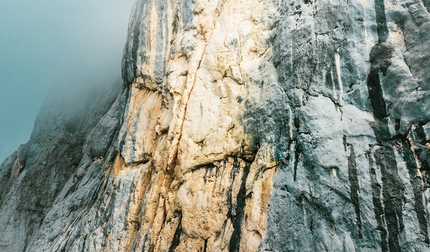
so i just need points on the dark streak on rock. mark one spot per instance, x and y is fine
(295, 151)
(392, 185)
(354, 186)
(187, 14)
(416, 183)
(297, 123)
(124, 103)
(235, 169)
(177, 236)
(345, 144)
(381, 20)
(375, 95)
(377, 205)
(392, 193)
(205, 245)
(296, 161)
(208, 171)
(84, 243)
(380, 57)
(237, 219)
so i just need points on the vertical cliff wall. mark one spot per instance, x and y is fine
(262, 125)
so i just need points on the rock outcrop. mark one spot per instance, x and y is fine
(261, 125)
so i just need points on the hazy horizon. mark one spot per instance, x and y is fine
(48, 44)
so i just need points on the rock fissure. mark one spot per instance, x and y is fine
(239, 215)
(195, 66)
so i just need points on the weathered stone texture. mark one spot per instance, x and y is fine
(261, 125)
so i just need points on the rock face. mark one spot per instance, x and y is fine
(260, 125)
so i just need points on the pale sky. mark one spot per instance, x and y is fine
(48, 43)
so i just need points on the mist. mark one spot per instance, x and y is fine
(52, 47)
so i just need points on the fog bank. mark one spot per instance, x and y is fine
(48, 45)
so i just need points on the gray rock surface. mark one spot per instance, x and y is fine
(357, 179)
(267, 125)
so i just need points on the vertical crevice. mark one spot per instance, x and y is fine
(205, 245)
(296, 157)
(186, 94)
(240, 212)
(296, 161)
(177, 236)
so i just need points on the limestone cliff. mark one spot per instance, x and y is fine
(259, 125)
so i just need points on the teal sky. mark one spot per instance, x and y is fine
(45, 44)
